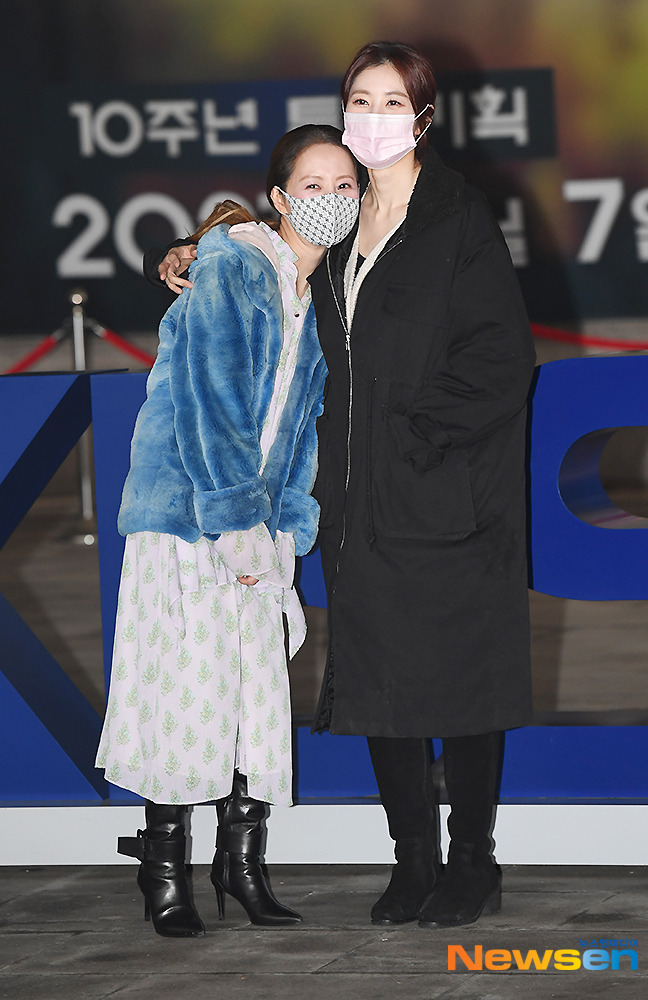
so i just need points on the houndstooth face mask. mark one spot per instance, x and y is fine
(324, 219)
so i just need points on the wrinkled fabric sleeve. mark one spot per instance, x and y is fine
(299, 509)
(211, 383)
(489, 365)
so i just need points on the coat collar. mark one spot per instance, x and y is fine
(439, 191)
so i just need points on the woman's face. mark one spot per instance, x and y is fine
(321, 169)
(379, 90)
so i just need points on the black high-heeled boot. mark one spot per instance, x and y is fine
(238, 868)
(472, 880)
(403, 770)
(162, 875)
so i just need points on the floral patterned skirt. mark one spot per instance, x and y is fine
(199, 679)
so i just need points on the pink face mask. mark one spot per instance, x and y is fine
(380, 140)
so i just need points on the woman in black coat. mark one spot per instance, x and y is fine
(422, 489)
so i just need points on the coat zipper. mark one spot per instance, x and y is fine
(347, 337)
(326, 686)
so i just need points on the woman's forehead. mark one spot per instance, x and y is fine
(323, 157)
(384, 78)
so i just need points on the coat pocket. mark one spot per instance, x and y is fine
(411, 332)
(406, 503)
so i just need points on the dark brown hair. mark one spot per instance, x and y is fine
(284, 155)
(414, 70)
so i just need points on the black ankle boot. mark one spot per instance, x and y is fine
(238, 867)
(471, 886)
(162, 874)
(413, 878)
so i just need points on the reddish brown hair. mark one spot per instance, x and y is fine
(224, 211)
(414, 70)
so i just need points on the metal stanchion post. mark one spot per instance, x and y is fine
(78, 324)
(87, 534)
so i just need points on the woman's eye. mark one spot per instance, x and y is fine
(313, 185)
(394, 102)
(358, 100)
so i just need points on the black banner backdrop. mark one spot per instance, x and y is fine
(111, 170)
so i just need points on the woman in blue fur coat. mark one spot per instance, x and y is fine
(216, 505)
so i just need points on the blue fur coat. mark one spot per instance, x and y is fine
(195, 453)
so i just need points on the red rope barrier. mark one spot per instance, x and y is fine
(123, 345)
(45, 346)
(569, 337)
(543, 332)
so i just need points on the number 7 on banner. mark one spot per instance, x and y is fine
(609, 194)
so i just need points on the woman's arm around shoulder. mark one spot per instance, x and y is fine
(168, 266)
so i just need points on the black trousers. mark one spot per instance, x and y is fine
(403, 769)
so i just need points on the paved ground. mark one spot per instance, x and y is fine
(78, 934)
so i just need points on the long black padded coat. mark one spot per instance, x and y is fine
(422, 476)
